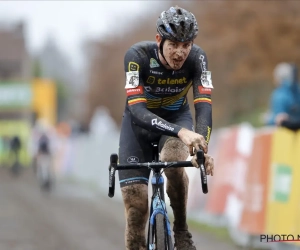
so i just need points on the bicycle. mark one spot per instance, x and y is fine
(159, 229)
(44, 171)
(16, 166)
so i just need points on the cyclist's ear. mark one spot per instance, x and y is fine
(158, 39)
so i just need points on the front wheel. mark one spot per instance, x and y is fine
(44, 171)
(160, 233)
(16, 169)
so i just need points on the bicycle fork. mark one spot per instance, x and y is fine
(158, 206)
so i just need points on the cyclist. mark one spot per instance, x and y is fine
(158, 77)
(15, 144)
(15, 148)
(41, 140)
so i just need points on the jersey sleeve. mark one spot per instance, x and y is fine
(202, 89)
(137, 102)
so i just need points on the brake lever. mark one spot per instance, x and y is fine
(112, 171)
(200, 162)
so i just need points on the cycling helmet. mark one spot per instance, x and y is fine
(177, 24)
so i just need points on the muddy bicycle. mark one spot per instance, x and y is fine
(159, 228)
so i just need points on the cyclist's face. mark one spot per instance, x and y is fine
(176, 53)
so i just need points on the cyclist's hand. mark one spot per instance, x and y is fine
(208, 163)
(192, 140)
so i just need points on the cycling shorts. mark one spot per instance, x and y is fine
(135, 146)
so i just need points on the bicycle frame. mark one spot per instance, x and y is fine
(158, 205)
(44, 171)
(15, 167)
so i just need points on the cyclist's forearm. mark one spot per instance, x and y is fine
(204, 120)
(151, 122)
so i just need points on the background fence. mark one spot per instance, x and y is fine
(255, 189)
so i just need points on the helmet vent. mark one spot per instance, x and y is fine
(179, 12)
(173, 28)
(182, 33)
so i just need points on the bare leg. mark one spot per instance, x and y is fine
(177, 190)
(135, 198)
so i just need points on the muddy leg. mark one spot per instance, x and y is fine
(135, 198)
(177, 184)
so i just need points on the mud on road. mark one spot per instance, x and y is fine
(70, 217)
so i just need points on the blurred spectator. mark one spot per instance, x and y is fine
(285, 99)
(283, 119)
(15, 144)
(42, 140)
(14, 154)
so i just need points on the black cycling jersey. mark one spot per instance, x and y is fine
(157, 107)
(155, 93)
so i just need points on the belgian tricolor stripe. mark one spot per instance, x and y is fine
(136, 100)
(197, 100)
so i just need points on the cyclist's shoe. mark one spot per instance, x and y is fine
(183, 240)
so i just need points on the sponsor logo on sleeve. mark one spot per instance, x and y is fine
(135, 91)
(203, 63)
(203, 90)
(208, 134)
(133, 66)
(132, 79)
(161, 125)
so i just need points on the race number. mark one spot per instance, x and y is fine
(132, 79)
(206, 79)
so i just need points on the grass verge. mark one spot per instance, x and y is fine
(220, 233)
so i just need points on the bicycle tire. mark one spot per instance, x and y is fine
(44, 173)
(160, 232)
(16, 169)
